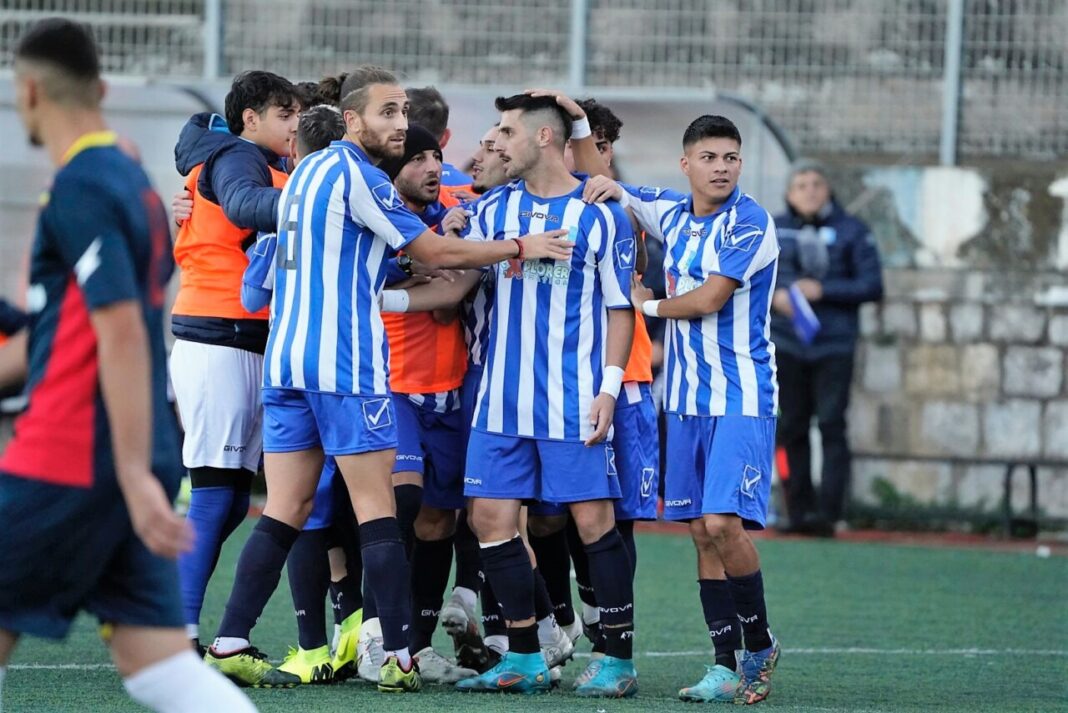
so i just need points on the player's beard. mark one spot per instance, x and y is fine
(378, 146)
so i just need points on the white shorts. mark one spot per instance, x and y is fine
(218, 394)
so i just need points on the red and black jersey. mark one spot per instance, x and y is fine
(102, 238)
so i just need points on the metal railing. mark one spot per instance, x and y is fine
(913, 78)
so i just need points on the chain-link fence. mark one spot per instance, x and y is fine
(842, 76)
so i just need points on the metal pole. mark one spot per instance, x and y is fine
(212, 39)
(576, 75)
(947, 150)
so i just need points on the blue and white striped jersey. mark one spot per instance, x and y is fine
(475, 310)
(723, 363)
(257, 284)
(339, 220)
(544, 357)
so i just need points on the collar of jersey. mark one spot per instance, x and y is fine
(734, 197)
(92, 140)
(360, 153)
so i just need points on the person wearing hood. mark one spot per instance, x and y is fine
(828, 267)
(234, 170)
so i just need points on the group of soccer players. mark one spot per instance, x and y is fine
(445, 367)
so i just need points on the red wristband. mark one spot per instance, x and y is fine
(518, 244)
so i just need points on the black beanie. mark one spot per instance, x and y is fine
(416, 142)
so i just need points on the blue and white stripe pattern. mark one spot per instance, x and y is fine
(440, 402)
(339, 220)
(723, 363)
(546, 349)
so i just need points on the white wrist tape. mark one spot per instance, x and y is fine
(612, 381)
(395, 300)
(580, 128)
(651, 308)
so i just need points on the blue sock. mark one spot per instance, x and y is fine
(748, 592)
(309, 578)
(385, 564)
(256, 577)
(721, 617)
(612, 576)
(208, 512)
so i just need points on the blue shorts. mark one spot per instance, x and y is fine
(342, 424)
(66, 549)
(719, 465)
(469, 396)
(515, 468)
(322, 514)
(432, 444)
(637, 446)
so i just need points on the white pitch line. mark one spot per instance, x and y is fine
(848, 651)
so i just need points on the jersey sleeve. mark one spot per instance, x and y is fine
(483, 219)
(374, 204)
(257, 284)
(616, 264)
(650, 206)
(93, 239)
(748, 246)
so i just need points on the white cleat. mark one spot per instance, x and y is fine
(435, 668)
(573, 630)
(456, 616)
(558, 651)
(370, 658)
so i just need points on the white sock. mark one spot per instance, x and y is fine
(192, 631)
(336, 639)
(547, 630)
(498, 642)
(371, 629)
(229, 644)
(403, 657)
(467, 596)
(184, 684)
(590, 615)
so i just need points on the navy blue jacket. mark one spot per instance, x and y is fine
(12, 319)
(854, 276)
(235, 174)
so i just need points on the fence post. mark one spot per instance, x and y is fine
(212, 39)
(576, 75)
(947, 150)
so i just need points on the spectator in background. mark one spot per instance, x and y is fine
(829, 260)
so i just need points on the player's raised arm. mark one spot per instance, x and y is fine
(432, 249)
(583, 142)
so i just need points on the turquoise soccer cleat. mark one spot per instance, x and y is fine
(616, 678)
(516, 673)
(718, 686)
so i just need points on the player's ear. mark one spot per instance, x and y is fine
(684, 164)
(250, 119)
(103, 89)
(445, 138)
(353, 121)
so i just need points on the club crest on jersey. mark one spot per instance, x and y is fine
(648, 476)
(625, 254)
(376, 414)
(742, 237)
(750, 477)
(386, 194)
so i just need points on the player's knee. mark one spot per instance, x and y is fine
(701, 539)
(434, 524)
(490, 522)
(545, 525)
(593, 519)
(721, 528)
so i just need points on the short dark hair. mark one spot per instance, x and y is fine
(526, 103)
(307, 94)
(710, 126)
(428, 109)
(68, 50)
(602, 120)
(256, 90)
(354, 90)
(318, 127)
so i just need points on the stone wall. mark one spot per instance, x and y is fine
(967, 365)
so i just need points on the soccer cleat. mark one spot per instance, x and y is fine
(590, 671)
(559, 650)
(309, 666)
(718, 686)
(516, 673)
(346, 652)
(556, 674)
(757, 667)
(460, 622)
(249, 667)
(435, 668)
(394, 679)
(616, 678)
(573, 631)
(371, 658)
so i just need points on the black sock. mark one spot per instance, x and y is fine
(347, 592)
(256, 576)
(492, 617)
(721, 617)
(582, 565)
(554, 563)
(386, 566)
(309, 578)
(431, 562)
(543, 605)
(409, 499)
(347, 597)
(626, 531)
(468, 559)
(748, 592)
(523, 639)
(610, 570)
(509, 573)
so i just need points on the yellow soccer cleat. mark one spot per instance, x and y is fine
(346, 658)
(309, 666)
(394, 679)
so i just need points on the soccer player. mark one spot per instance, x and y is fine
(560, 334)
(234, 171)
(429, 109)
(86, 484)
(721, 254)
(326, 375)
